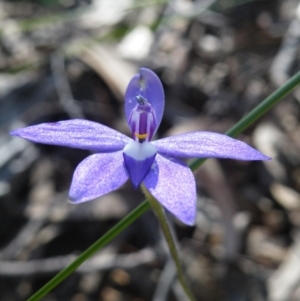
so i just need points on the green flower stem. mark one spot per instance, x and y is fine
(160, 214)
(100, 243)
(251, 117)
(257, 112)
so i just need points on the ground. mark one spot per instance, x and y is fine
(217, 60)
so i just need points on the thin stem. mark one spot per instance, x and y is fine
(160, 213)
(257, 112)
(100, 243)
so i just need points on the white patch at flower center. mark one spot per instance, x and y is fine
(139, 151)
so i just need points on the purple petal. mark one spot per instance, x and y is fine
(207, 145)
(97, 175)
(77, 133)
(138, 158)
(172, 183)
(148, 85)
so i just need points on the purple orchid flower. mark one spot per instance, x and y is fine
(118, 157)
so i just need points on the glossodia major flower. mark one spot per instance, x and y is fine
(117, 157)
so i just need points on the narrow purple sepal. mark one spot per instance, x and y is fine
(148, 85)
(207, 145)
(97, 175)
(172, 183)
(77, 133)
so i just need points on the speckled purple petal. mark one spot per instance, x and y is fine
(172, 183)
(207, 145)
(77, 133)
(148, 85)
(97, 175)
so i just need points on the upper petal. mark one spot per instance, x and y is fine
(207, 145)
(97, 175)
(148, 85)
(77, 133)
(172, 183)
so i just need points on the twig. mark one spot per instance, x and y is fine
(286, 279)
(29, 232)
(165, 281)
(287, 53)
(212, 176)
(100, 262)
(62, 86)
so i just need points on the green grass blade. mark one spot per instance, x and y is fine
(100, 243)
(258, 112)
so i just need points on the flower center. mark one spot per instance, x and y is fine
(142, 120)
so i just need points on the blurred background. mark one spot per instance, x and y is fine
(217, 59)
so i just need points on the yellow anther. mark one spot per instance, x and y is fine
(141, 136)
